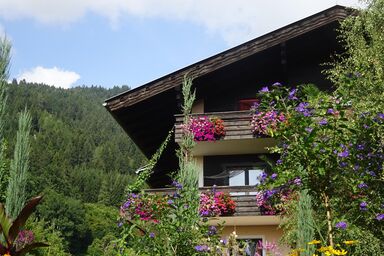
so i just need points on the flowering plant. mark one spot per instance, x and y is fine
(272, 202)
(216, 204)
(265, 123)
(145, 207)
(14, 239)
(206, 129)
(330, 149)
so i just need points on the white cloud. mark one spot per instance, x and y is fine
(235, 21)
(50, 76)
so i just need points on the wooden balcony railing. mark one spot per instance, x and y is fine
(237, 124)
(244, 197)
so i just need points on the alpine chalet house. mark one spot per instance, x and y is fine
(226, 86)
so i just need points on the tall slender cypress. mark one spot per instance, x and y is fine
(5, 48)
(305, 222)
(16, 194)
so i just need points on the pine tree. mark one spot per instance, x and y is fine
(16, 192)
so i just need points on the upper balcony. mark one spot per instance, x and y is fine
(239, 138)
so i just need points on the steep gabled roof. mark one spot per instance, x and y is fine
(172, 80)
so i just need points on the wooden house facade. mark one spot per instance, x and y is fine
(226, 85)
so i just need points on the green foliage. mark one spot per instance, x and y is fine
(359, 74)
(112, 188)
(49, 235)
(105, 246)
(101, 220)
(16, 191)
(68, 216)
(147, 170)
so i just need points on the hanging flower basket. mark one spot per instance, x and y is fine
(204, 128)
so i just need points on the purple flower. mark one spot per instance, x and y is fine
(380, 115)
(255, 105)
(274, 176)
(341, 225)
(303, 109)
(292, 94)
(343, 164)
(202, 248)
(276, 84)
(297, 182)
(280, 161)
(330, 111)
(264, 89)
(362, 185)
(308, 129)
(380, 216)
(152, 235)
(177, 185)
(262, 177)
(119, 224)
(269, 193)
(363, 206)
(126, 205)
(323, 122)
(170, 201)
(360, 147)
(212, 230)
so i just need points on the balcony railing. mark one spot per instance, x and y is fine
(237, 124)
(244, 197)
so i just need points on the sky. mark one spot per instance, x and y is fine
(67, 43)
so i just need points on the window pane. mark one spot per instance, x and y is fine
(253, 174)
(236, 178)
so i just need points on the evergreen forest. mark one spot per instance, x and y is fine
(80, 160)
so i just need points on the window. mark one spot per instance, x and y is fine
(233, 170)
(242, 176)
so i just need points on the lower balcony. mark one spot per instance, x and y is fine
(243, 196)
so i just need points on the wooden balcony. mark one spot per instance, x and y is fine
(239, 138)
(237, 124)
(244, 197)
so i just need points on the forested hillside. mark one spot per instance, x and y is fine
(80, 159)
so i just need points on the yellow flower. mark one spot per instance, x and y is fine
(314, 242)
(339, 252)
(296, 252)
(350, 242)
(7, 254)
(325, 249)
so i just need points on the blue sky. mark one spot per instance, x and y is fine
(67, 43)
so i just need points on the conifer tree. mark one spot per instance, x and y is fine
(16, 192)
(5, 49)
